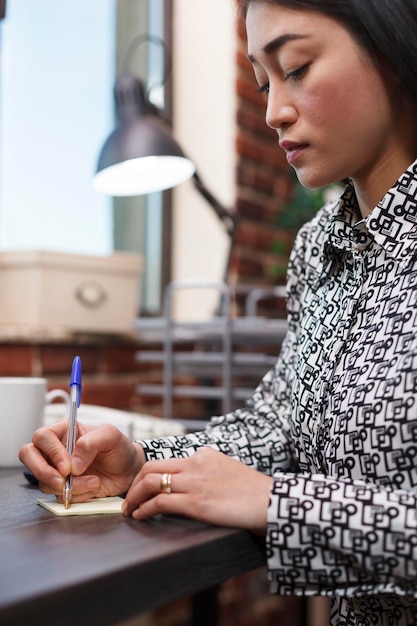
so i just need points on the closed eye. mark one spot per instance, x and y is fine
(294, 75)
(263, 88)
(297, 74)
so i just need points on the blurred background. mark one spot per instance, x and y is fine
(58, 65)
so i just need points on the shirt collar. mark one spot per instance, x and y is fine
(392, 224)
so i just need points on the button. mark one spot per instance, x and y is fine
(337, 346)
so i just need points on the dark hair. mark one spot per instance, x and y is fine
(387, 29)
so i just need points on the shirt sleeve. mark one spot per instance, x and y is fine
(337, 537)
(257, 434)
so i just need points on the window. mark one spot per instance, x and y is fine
(143, 223)
(57, 70)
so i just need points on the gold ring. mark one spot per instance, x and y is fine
(166, 483)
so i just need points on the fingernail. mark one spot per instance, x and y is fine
(77, 465)
(62, 468)
(58, 483)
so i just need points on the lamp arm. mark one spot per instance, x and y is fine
(228, 219)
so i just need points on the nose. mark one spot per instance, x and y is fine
(280, 111)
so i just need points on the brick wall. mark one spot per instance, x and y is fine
(264, 186)
(110, 371)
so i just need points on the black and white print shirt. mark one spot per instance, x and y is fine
(335, 421)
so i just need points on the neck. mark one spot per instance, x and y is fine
(394, 156)
(369, 191)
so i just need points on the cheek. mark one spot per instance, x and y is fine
(347, 108)
(331, 107)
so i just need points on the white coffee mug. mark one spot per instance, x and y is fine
(22, 404)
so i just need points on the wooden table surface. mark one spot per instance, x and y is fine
(99, 569)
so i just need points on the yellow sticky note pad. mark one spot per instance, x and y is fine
(97, 506)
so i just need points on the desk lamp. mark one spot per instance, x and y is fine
(140, 156)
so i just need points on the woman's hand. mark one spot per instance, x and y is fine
(208, 486)
(104, 461)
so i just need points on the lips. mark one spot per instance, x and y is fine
(293, 149)
(289, 146)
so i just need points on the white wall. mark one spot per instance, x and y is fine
(204, 125)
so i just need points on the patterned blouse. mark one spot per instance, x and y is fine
(335, 421)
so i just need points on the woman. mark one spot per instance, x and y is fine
(322, 458)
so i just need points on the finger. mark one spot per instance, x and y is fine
(164, 466)
(147, 498)
(90, 444)
(148, 487)
(47, 458)
(83, 488)
(49, 442)
(50, 479)
(164, 503)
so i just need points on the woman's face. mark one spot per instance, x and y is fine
(332, 111)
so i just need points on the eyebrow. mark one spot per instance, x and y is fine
(277, 43)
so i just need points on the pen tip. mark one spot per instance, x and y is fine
(66, 503)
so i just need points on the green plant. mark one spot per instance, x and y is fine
(303, 205)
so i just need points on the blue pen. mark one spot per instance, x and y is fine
(75, 399)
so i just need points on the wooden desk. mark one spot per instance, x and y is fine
(100, 569)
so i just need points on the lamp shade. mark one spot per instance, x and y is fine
(140, 156)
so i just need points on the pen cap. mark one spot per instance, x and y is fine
(75, 379)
